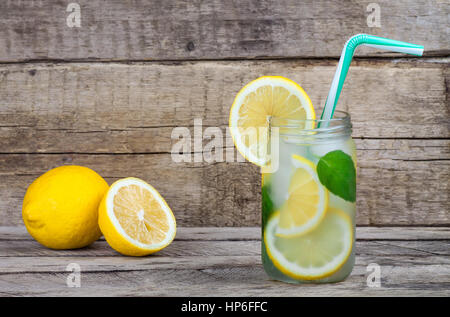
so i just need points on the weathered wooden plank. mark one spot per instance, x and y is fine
(34, 264)
(221, 268)
(102, 249)
(173, 30)
(393, 187)
(403, 233)
(158, 140)
(20, 248)
(91, 106)
(198, 193)
(15, 233)
(237, 276)
(199, 261)
(133, 108)
(403, 189)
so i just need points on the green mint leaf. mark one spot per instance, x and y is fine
(337, 173)
(266, 204)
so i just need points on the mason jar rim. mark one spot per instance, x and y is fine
(340, 123)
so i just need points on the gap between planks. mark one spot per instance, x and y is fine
(431, 57)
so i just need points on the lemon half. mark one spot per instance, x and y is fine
(135, 219)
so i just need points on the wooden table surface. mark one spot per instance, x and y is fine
(212, 261)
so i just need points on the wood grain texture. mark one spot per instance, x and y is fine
(180, 30)
(198, 193)
(222, 262)
(400, 182)
(118, 117)
(133, 108)
(118, 120)
(14, 249)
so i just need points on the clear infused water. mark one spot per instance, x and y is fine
(324, 251)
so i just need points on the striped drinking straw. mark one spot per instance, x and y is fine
(346, 59)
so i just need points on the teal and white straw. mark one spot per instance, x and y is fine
(346, 59)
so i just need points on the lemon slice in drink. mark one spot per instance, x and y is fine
(315, 255)
(259, 100)
(135, 219)
(307, 202)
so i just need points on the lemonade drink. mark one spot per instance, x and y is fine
(308, 202)
(308, 182)
(309, 178)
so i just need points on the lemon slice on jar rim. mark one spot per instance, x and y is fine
(265, 97)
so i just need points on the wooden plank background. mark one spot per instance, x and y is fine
(108, 95)
(216, 29)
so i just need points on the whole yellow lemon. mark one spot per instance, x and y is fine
(60, 208)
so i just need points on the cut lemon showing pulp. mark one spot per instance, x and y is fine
(265, 97)
(307, 202)
(315, 255)
(135, 219)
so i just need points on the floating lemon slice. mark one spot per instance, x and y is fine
(253, 106)
(135, 219)
(307, 202)
(315, 255)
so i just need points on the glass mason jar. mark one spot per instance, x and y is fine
(308, 201)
